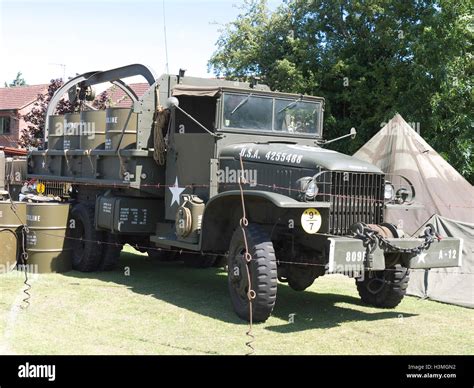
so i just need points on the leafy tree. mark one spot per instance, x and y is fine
(102, 101)
(18, 81)
(32, 136)
(369, 60)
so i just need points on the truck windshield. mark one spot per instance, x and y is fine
(277, 115)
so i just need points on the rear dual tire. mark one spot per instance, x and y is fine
(93, 250)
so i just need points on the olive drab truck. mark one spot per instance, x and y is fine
(200, 170)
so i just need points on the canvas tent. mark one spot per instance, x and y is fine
(449, 285)
(397, 149)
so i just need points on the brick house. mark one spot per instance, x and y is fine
(15, 102)
(119, 99)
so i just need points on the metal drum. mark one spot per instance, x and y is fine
(56, 132)
(72, 131)
(116, 122)
(11, 222)
(48, 248)
(92, 129)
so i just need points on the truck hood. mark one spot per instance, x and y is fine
(295, 155)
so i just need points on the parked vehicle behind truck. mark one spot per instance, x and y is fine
(200, 169)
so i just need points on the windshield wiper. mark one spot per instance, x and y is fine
(241, 103)
(291, 104)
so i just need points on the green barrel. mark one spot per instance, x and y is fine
(72, 135)
(116, 118)
(56, 132)
(92, 129)
(48, 248)
(11, 223)
(9, 243)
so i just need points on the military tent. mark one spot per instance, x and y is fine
(446, 199)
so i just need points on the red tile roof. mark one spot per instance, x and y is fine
(10, 151)
(20, 96)
(120, 100)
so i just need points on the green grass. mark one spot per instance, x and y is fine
(165, 308)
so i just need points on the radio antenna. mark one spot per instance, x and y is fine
(166, 40)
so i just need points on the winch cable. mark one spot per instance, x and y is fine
(248, 258)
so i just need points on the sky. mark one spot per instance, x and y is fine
(37, 37)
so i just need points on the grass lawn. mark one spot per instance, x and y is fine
(165, 308)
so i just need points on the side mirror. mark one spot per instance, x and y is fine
(172, 102)
(353, 133)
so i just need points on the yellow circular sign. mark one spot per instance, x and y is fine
(311, 221)
(40, 188)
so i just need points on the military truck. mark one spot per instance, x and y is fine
(203, 169)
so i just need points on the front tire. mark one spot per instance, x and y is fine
(384, 289)
(263, 273)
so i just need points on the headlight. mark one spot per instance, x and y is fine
(311, 190)
(389, 192)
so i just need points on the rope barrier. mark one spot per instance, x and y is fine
(233, 185)
(251, 294)
(24, 252)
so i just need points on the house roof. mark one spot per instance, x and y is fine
(18, 97)
(11, 151)
(120, 100)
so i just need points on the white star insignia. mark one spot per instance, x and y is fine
(176, 191)
(421, 258)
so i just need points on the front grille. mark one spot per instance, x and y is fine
(57, 189)
(354, 197)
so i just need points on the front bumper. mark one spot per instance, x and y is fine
(349, 254)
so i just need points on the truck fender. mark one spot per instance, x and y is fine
(223, 212)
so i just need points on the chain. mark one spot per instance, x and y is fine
(430, 236)
(372, 239)
(248, 258)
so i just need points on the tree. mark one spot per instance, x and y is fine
(369, 60)
(102, 101)
(32, 136)
(18, 81)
